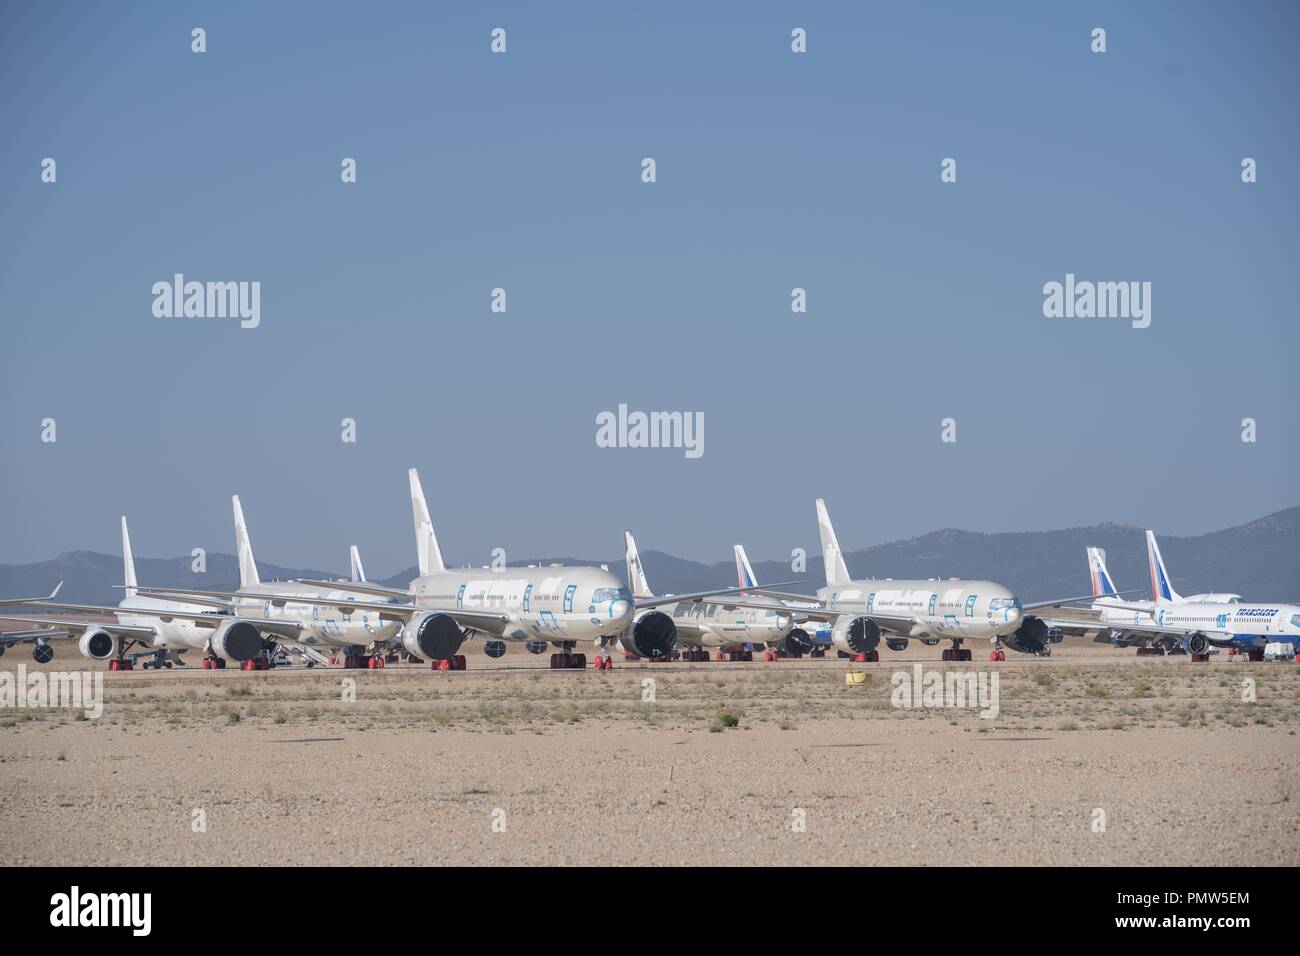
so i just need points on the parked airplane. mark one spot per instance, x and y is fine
(166, 626)
(562, 605)
(726, 627)
(1122, 621)
(1201, 625)
(807, 635)
(863, 612)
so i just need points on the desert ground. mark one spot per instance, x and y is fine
(1094, 757)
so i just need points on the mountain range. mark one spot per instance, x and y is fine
(1259, 560)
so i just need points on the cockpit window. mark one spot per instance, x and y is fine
(1295, 620)
(611, 594)
(1001, 604)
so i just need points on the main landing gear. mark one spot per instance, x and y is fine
(126, 664)
(566, 659)
(956, 652)
(735, 654)
(869, 657)
(454, 663)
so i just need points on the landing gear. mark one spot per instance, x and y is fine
(996, 654)
(209, 664)
(258, 663)
(870, 657)
(375, 662)
(817, 652)
(1255, 654)
(455, 663)
(124, 664)
(734, 654)
(956, 652)
(694, 655)
(566, 660)
(1200, 658)
(1153, 651)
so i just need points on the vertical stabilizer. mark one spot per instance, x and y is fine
(128, 562)
(1162, 592)
(837, 573)
(244, 549)
(428, 554)
(744, 573)
(358, 572)
(1102, 585)
(635, 573)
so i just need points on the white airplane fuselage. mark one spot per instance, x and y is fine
(722, 625)
(321, 624)
(938, 609)
(555, 604)
(1249, 626)
(171, 633)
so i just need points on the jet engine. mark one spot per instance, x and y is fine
(859, 635)
(1031, 637)
(236, 641)
(42, 653)
(434, 636)
(896, 643)
(494, 649)
(96, 643)
(651, 634)
(1196, 643)
(797, 642)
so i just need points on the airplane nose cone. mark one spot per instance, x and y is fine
(620, 610)
(1013, 615)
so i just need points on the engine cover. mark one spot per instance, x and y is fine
(236, 641)
(494, 649)
(433, 636)
(1196, 643)
(97, 644)
(859, 635)
(651, 634)
(1031, 637)
(796, 642)
(896, 643)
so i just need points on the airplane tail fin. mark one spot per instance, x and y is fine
(128, 562)
(744, 573)
(635, 573)
(1161, 590)
(358, 572)
(426, 542)
(1102, 585)
(836, 571)
(244, 549)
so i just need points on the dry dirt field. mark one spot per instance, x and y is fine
(762, 763)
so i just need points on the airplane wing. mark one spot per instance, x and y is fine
(10, 638)
(1079, 626)
(697, 595)
(886, 621)
(77, 626)
(12, 602)
(467, 617)
(1061, 602)
(361, 587)
(288, 629)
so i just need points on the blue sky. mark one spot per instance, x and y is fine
(521, 170)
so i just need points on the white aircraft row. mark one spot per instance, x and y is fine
(365, 624)
(1171, 623)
